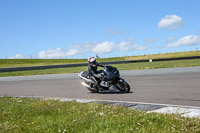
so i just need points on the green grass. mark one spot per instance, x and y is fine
(129, 66)
(4, 63)
(166, 55)
(160, 64)
(36, 62)
(39, 116)
(41, 62)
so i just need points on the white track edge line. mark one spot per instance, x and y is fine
(93, 100)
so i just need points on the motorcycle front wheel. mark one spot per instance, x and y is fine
(124, 86)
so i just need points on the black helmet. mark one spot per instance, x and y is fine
(92, 61)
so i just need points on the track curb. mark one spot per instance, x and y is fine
(184, 111)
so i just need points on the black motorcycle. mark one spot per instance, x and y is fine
(110, 78)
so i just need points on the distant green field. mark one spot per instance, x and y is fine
(166, 55)
(4, 63)
(19, 115)
(129, 66)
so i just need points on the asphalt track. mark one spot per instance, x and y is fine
(176, 86)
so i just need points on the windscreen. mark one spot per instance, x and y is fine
(109, 68)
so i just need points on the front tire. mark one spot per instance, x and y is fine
(124, 86)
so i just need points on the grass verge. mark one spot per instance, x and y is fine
(129, 66)
(165, 55)
(4, 63)
(34, 115)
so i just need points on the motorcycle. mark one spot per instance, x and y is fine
(110, 78)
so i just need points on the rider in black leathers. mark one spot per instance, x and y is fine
(92, 68)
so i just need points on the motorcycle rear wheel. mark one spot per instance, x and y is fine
(93, 89)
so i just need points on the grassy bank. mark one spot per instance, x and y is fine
(32, 115)
(41, 62)
(37, 62)
(4, 63)
(166, 55)
(130, 66)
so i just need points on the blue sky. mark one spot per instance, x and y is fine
(82, 28)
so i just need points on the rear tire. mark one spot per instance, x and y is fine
(93, 89)
(124, 87)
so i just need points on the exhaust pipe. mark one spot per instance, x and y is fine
(86, 85)
(88, 80)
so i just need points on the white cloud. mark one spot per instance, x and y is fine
(112, 31)
(109, 29)
(130, 39)
(171, 22)
(86, 47)
(149, 40)
(185, 41)
(141, 47)
(93, 47)
(17, 56)
(104, 47)
(126, 46)
(77, 49)
(59, 52)
(170, 39)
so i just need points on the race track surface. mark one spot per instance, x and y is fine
(176, 86)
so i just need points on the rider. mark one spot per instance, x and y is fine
(92, 68)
